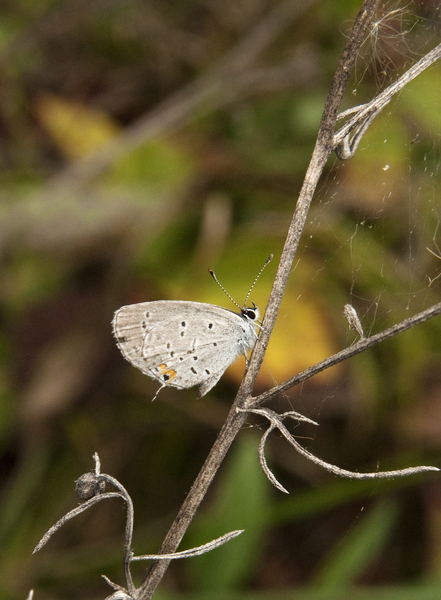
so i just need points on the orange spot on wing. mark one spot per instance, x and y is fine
(164, 371)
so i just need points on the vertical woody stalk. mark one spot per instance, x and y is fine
(235, 419)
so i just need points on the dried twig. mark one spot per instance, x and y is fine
(70, 515)
(274, 419)
(90, 488)
(171, 113)
(356, 348)
(344, 145)
(192, 551)
(235, 420)
(276, 422)
(352, 318)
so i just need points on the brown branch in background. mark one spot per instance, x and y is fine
(198, 97)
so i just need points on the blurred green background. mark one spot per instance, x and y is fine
(142, 143)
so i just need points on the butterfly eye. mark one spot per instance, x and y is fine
(250, 314)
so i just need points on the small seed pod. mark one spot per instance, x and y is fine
(89, 485)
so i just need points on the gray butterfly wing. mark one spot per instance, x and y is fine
(181, 343)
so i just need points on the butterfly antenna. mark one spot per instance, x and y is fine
(268, 260)
(223, 289)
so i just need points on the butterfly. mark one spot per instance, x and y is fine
(183, 344)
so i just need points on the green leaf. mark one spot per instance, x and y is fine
(352, 555)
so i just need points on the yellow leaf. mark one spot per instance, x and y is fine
(75, 128)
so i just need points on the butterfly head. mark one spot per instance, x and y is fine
(250, 313)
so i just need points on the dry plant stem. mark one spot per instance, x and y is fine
(367, 112)
(70, 515)
(360, 346)
(236, 419)
(192, 551)
(90, 488)
(276, 422)
(96, 479)
(195, 496)
(322, 150)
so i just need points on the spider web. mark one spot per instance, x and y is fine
(375, 231)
